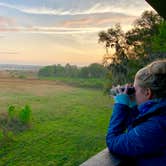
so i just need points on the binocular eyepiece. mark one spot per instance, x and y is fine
(115, 90)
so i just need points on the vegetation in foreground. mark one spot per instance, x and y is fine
(13, 121)
(68, 124)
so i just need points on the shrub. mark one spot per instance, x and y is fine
(25, 114)
(11, 112)
(13, 122)
(22, 76)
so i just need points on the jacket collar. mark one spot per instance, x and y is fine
(151, 106)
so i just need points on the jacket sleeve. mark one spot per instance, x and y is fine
(146, 138)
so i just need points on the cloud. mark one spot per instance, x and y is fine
(5, 29)
(102, 21)
(97, 8)
(114, 20)
(7, 24)
(8, 52)
(4, 21)
(54, 30)
(78, 22)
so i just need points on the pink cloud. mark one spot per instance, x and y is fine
(4, 21)
(84, 21)
(7, 24)
(98, 21)
(115, 20)
(9, 29)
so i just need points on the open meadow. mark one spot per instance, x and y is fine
(68, 123)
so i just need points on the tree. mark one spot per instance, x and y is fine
(94, 70)
(46, 71)
(133, 49)
(97, 70)
(71, 70)
(117, 58)
(139, 38)
(159, 39)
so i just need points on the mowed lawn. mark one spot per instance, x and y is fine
(68, 123)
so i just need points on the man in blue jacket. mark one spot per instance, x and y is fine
(139, 132)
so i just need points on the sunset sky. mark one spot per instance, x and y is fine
(43, 32)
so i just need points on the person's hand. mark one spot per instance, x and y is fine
(132, 101)
(122, 90)
(122, 97)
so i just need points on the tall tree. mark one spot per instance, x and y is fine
(116, 59)
(159, 39)
(132, 49)
(139, 38)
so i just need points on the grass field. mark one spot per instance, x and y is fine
(95, 83)
(68, 123)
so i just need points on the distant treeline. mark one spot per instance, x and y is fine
(94, 70)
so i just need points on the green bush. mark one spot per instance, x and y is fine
(11, 112)
(13, 122)
(22, 76)
(1, 134)
(25, 114)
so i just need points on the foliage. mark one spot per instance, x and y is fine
(11, 112)
(22, 76)
(139, 38)
(14, 122)
(46, 71)
(25, 115)
(159, 39)
(94, 70)
(114, 38)
(127, 52)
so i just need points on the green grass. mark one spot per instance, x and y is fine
(68, 124)
(95, 83)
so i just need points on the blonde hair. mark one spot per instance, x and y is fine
(153, 76)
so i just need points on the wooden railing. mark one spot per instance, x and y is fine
(103, 158)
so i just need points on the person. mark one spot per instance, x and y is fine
(138, 132)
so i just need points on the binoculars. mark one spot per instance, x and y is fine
(115, 90)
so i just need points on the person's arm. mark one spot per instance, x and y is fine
(147, 138)
(119, 118)
(128, 109)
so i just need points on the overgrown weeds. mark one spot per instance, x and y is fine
(14, 121)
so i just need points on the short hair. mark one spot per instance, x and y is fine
(153, 76)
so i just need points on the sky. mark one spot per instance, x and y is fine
(44, 32)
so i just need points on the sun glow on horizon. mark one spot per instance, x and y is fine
(31, 33)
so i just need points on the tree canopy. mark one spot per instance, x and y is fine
(126, 52)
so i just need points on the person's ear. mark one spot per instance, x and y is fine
(148, 93)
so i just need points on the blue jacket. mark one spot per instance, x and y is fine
(139, 133)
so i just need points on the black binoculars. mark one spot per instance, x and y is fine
(114, 91)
